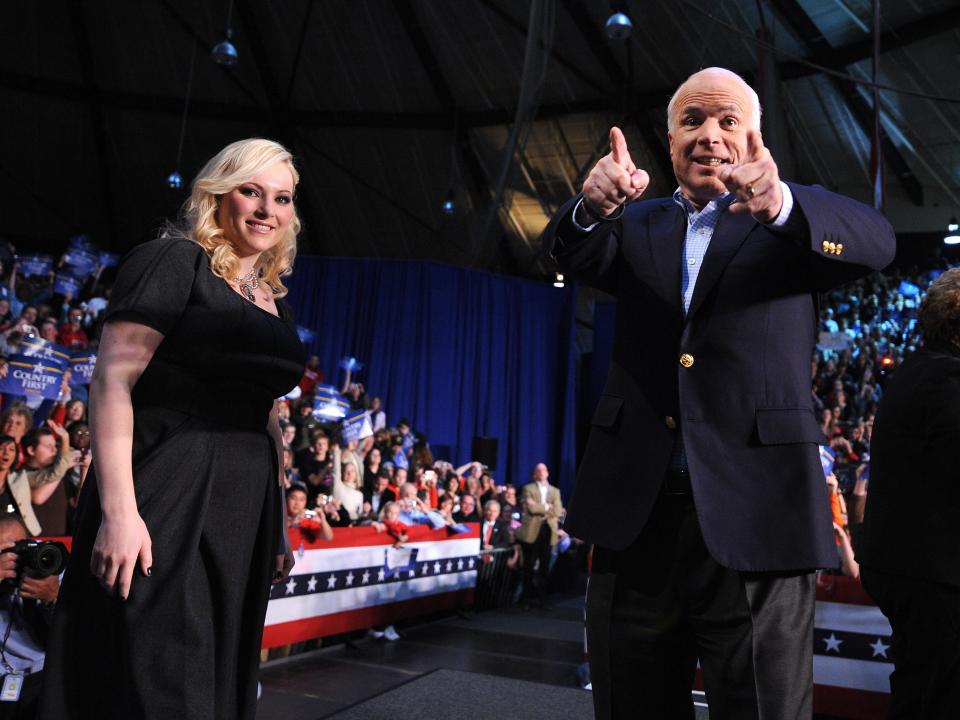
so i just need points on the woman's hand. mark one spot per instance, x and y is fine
(120, 543)
(284, 565)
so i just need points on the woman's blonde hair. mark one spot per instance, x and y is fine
(236, 164)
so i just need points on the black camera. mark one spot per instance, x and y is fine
(39, 558)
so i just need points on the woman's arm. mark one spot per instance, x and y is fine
(284, 558)
(125, 350)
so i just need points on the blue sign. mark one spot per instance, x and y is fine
(32, 376)
(81, 367)
(356, 426)
(827, 458)
(328, 404)
(351, 363)
(109, 259)
(81, 241)
(35, 265)
(35, 347)
(81, 262)
(64, 284)
(306, 334)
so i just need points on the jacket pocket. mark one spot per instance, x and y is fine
(782, 426)
(607, 412)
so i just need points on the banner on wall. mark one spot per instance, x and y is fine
(359, 580)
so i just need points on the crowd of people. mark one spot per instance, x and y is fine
(867, 328)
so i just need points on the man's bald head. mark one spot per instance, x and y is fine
(725, 76)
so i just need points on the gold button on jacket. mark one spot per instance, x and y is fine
(686, 360)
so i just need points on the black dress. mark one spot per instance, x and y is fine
(186, 642)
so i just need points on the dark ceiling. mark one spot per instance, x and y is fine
(389, 104)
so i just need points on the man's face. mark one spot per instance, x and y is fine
(48, 331)
(8, 455)
(45, 451)
(467, 504)
(711, 116)
(491, 512)
(80, 437)
(11, 533)
(540, 473)
(289, 433)
(29, 314)
(322, 444)
(510, 495)
(382, 483)
(401, 476)
(75, 316)
(296, 502)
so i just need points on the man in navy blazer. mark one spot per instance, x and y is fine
(701, 485)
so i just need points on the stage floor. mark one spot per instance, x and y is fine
(495, 664)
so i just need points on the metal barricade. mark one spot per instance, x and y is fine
(498, 577)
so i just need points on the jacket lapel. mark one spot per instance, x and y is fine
(667, 227)
(727, 238)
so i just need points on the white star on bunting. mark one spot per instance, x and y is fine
(879, 648)
(381, 575)
(437, 567)
(312, 584)
(833, 643)
(365, 577)
(331, 582)
(350, 578)
(291, 586)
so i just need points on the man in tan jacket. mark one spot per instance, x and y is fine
(542, 509)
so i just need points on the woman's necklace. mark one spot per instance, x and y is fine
(248, 283)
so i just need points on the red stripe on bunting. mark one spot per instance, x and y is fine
(362, 618)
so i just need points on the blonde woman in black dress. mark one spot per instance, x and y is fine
(178, 537)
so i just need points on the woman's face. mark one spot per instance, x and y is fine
(374, 456)
(453, 486)
(15, 426)
(8, 456)
(80, 437)
(350, 475)
(4, 308)
(255, 214)
(75, 411)
(289, 433)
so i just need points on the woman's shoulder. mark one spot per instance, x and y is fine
(163, 253)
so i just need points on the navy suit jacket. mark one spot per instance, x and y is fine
(745, 404)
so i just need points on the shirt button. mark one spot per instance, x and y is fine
(686, 360)
(691, 261)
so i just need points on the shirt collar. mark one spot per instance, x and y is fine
(720, 203)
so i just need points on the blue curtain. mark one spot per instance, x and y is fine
(459, 352)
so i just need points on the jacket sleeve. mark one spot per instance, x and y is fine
(846, 238)
(589, 257)
(54, 473)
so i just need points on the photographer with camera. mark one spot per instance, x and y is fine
(29, 585)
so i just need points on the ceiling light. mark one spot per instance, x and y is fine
(619, 26)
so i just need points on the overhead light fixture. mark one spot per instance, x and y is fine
(953, 233)
(619, 26)
(224, 52)
(558, 280)
(449, 205)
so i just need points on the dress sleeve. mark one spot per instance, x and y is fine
(154, 282)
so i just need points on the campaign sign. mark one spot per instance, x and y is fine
(306, 334)
(64, 284)
(81, 367)
(82, 262)
(827, 459)
(356, 426)
(351, 363)
(35, 265)
(328, 404)
(36, 347)
(81, 241)
(108, 259)
(32, 376)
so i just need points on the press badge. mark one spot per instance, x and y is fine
(12, 685)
